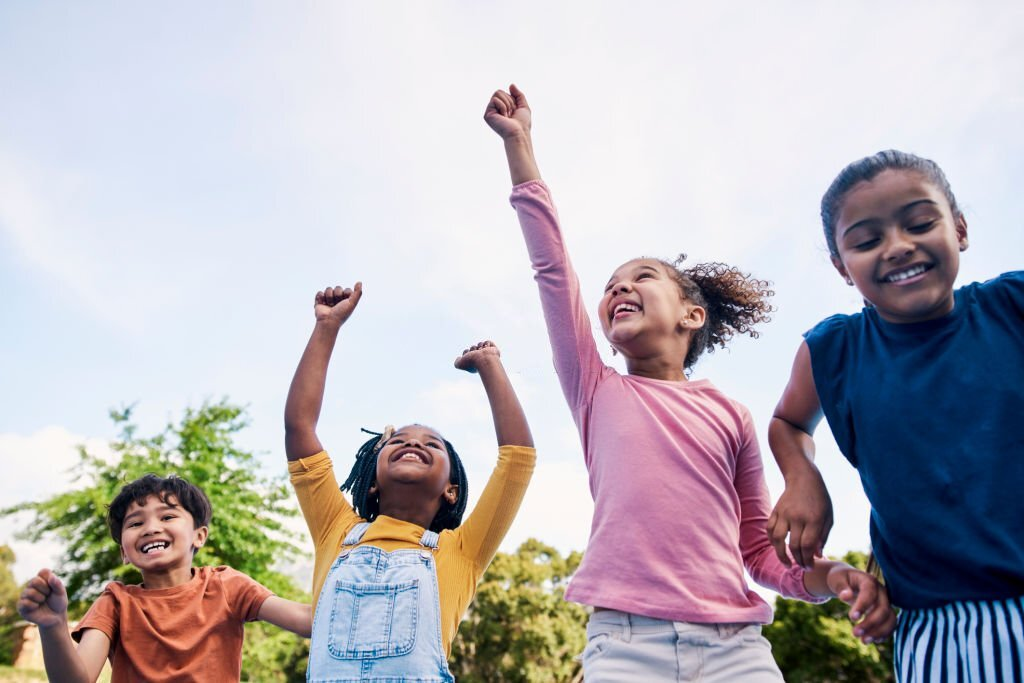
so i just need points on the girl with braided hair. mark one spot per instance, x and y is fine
(396, 569)
(680, 502)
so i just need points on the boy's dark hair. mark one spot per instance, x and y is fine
(189, 496)
(866, 169)
(733, 301)
(364, 475)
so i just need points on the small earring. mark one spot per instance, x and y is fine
(849, 281)
(615, 351)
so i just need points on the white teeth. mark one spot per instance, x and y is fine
(412, 456)
(632, 308)
(905, 274)
(150, 546)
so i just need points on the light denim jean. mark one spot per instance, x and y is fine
(626, 648)
(378, 618)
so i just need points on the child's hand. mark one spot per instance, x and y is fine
(44, 601)
(508, 113)
(335, 304)
(873, 617)
(804, 513)
(476, 355)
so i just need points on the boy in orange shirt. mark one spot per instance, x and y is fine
(182, 623)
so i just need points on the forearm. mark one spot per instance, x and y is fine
(522, 164)
(510, 425)
(816, 580)
(306, 394)
(60, 658)
(292, 616)
(793, 449)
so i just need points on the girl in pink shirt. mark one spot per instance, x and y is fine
(680, 503)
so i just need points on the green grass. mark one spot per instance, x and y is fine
(12, 675)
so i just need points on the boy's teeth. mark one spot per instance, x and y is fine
(152, 546)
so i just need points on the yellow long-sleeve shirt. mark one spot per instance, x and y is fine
(462, 555)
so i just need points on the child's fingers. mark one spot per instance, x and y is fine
(499, 104)
(878, 625)
(518, 97)
(778, 529)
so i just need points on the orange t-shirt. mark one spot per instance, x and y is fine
(192, 632)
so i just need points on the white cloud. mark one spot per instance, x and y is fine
(37, 466)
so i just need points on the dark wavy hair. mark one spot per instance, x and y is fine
(734, 302)
(189, 496)
(364, 475)
(866, 169)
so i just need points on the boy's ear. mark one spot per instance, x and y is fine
(451, 494)
(200, 538)
(961, 232)
(842, 270)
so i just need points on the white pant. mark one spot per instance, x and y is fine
(626, 648)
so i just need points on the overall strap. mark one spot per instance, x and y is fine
(429, 539)
(356, 534)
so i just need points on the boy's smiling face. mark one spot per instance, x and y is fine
(159, 536)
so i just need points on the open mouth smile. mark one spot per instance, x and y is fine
(907, 275)
(411, 455)
(154, 545)
(624, 308)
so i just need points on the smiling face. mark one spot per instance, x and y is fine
(414, 455)
(899, 243)
(643, 308)
(160, 535)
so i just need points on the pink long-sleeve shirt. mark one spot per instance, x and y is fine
(680, 502)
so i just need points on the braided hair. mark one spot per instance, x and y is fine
(734, 302)
(364, 475)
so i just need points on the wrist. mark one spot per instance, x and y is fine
(327, 325)
(59, 625)
(801, 470)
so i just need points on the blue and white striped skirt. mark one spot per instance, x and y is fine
(962, 642)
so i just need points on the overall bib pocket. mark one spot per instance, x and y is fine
(371, 620)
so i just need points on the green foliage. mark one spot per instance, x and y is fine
(246, 531)
(519, 627)
(10, 633)
(815, 643)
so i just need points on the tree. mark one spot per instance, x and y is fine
(519, 627)
(246, 532)
(10, 633)
(815, 643)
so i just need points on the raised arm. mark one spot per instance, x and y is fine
(508, 114)
(510, 426)
(332, 307)
(44, 602)
(804, 511)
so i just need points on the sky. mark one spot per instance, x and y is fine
(176, 182)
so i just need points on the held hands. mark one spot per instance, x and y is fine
(477, 355)
(335, 304)
(804, 513)
(508, 113)
(873, 617)
(44, 601)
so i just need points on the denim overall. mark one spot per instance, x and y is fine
(378, 618)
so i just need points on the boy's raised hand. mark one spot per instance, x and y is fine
(44, 601)
(873, 617)
(508, 113)
(335, 304)
(476, 355)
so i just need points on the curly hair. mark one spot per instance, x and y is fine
(364, 475)
(734, 302)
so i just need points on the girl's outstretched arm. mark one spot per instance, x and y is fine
(510, 426)
(332, 307)
(509, 115)
(804, 510)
